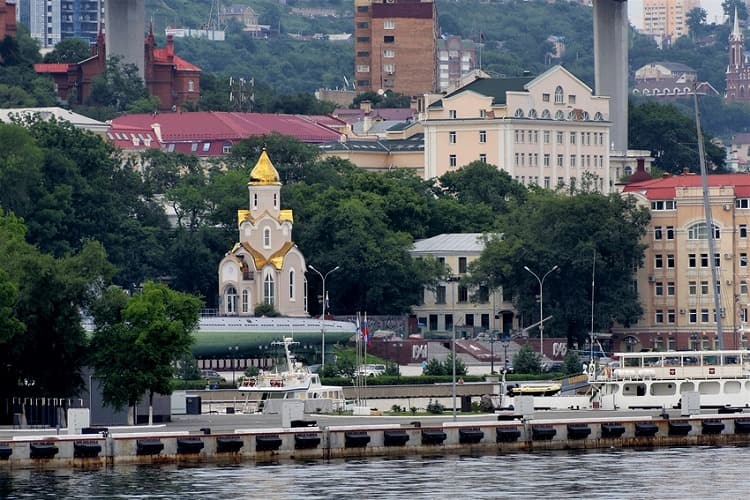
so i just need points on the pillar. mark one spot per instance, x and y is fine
(125, 25)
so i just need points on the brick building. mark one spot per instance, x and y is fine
(7, 19)
(738, 71)
(169, 77)
(395, 46)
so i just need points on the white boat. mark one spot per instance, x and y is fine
(720, 379)
(297, 382)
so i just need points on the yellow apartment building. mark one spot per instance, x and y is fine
(675, 283)
(549, 130)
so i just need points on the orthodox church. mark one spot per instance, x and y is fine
(738, 71)
(265, 266)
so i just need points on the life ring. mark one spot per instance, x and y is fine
(249, 383)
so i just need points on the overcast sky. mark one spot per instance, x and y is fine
(713, 8)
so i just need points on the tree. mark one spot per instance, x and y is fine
(69, 50)
(135, 355)
(730, 6)
(696, 21)
(118, 87)
(572, 363)
(527, 360)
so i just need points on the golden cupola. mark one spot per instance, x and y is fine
(264, 173)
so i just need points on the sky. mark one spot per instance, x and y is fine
(712, 7)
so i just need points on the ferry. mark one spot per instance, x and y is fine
(721, 379)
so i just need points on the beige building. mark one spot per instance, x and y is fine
(675, 282)
(451, 302)
(548, 130)
(667, 19)
(265, 266)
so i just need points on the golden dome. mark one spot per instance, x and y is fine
(264, 172)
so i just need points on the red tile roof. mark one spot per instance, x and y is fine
(207, 132)
(52, 67)
(664, 188)
(355, 115)
(128, 138)
(161, 55)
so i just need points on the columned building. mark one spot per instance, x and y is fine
(674, 285)
(265, 266)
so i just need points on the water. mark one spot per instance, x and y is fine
(669, 473)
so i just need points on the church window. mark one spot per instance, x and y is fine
(266, 237)
(191, 86)
(559, 95)
(291, 284)
(245, 301)
(268, 289)
(275, 200)
(255, 200)
(230, 298)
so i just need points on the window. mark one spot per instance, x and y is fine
(704, 315)
(658, 261)
(658, 288)
(483, 157)
(452, 137)
(266, 237)
(363, 53)
(268, 289)
(362, 8)
(670, 261)
(452, 161)
(389, 69)
(545, 97)
(230, 299)
(559, 137)
(463, 294)
(693, 316)
(194, 147)
(743, 287)
(560, 160)
(363, 68)
(275, 200)
(389, 53)
(659, 316)
(662, 205)
(700, 231)
(670, 232)
(572, 160)
(743, 259)
(546, 159)
(547, 183)
(692, 288)
(743, 203)
(519, 113)
(206, 146)
(743, 230)
(388, 39)
(255, 200)
(462, 265)
(657, 233)
(363, 39)
(692, 261)
(389, 24)
(717, 260)
(670, 288)
(245, 301)
(291, 284)
(191, 86)
(440, 295)
(362, 25)
(559, 95)
(704, 287)
(546, 135)
(482, 136)
(452, 114)
(671, 318)
(226, 148)
(704, 260)
(572, 137)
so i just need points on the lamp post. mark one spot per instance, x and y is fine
(232, 355)
(541, 305)
(452, 280)
(323, 315)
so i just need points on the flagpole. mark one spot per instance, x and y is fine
(366, 330)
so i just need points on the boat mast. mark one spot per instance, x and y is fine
(593, 274)
(709, 224)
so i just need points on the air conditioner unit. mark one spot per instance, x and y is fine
(727, 207)
(682, 311)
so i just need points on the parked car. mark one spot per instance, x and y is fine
(212, 376)
(371, 370)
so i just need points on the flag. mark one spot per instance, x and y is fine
(359, 328)
(365, 331)
(481, 36)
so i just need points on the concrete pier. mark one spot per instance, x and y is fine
(306, 439)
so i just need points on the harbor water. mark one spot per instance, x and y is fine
(664, 473)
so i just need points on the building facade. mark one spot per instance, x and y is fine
(395, 44)
(668, 80)
(452, 303)
(456, 57)
(7, 19)
(667, 19)
(548, 130)
(738, 69)
(50, 21)
(675, 284)
(264, 266)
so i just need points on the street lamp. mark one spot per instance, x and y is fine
(232, 355)
(323, 316)
(541, 305)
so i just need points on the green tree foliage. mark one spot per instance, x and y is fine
(671, 136)
(435, 367)
(69, 50)
(265, 310)
(527, 360)
(20, 86)
(572, 363)
(387, 99)
(134, 355)
(118, 88)
(556, 229)
(696, 21)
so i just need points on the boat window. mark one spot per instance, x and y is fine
(690, 361)
(631, 362)
(652, 361)
(731, 359)
(711, 360)
(671, 361)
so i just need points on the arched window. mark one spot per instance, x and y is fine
(268, 289)
(532, 113)
(699, 231)
(636, 91)
(628, 170)
(646, 92)
(191, 86)
(266, 237)
(546, 114)
(275, 200)
(230, 299)
(519, 113)
(598, 117)
(255, 200)
(559, 95)
(245, 301)
(559, 115)
(666, 92)
(291, 284)
(585, 116)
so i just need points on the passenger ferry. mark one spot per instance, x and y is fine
(660, 379)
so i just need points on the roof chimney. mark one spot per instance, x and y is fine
(170, 47)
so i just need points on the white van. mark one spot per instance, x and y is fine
(371, 370)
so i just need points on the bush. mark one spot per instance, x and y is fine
(527, 361)
(435, 407)
(572, 363)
